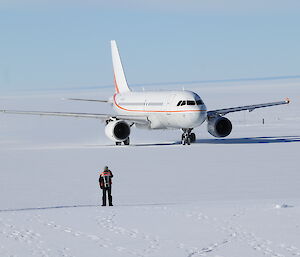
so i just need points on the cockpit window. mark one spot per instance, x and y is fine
(199, 102)
(189, 102)
(179, 103)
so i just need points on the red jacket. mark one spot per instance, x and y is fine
(105, 179)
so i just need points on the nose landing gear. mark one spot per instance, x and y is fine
(187, 137)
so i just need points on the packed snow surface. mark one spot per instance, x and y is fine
(237, 196)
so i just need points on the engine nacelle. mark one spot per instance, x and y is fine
(117, 130)
(219, 126)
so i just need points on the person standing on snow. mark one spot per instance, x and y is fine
(105, 184)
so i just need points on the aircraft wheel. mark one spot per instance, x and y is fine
(127, 141)
(193, 137)
(188, 140)
(118, 143)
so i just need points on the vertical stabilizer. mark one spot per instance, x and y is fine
(120, 79)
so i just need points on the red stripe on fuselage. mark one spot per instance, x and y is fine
(128, 110)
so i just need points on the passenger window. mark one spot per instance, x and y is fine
(190, 102)
(179, 103)
(183, 103)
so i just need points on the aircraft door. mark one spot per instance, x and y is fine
(169, 106)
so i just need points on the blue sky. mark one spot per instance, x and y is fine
(65, 44)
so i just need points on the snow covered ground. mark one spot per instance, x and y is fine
(238, 196)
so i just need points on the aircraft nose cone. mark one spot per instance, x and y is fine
(197, 117)
(201, 114)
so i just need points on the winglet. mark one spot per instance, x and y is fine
(121, 85)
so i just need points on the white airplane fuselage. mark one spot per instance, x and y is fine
(164, 109)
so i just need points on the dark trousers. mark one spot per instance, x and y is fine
(106, 191)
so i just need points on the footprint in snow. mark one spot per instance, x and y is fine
(77, 234)
(207, 250)
(120, 249)
(181, 246)
(93, 237)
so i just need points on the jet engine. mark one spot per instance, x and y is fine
(219, 126)
(117, 130)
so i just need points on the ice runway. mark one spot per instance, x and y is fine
(204, 229)
(219, 197)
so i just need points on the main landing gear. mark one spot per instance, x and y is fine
(187, 137)
(125, 142)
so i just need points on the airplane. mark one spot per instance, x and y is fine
(183, 110)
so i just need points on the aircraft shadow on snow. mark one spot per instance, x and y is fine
(251, 140)
(243, 140)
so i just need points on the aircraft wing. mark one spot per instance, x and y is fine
(249, 108)
(87, 100)
(135, 119)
